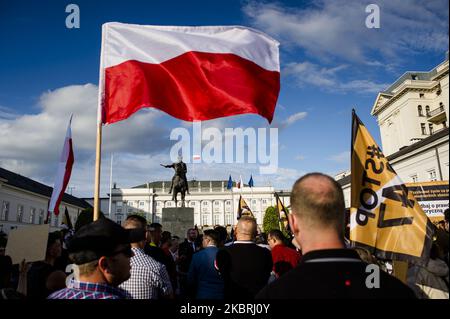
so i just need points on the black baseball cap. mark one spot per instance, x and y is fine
(100, 238)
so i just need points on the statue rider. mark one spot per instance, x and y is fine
(180, 170)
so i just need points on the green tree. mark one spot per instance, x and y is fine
(271, 220)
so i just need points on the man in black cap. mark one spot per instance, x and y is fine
(101, 251)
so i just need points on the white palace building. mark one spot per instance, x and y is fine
(413, 116)
(213, 203)
(24, 202)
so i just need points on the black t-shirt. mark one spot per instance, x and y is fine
(334, 273)
(245, 268)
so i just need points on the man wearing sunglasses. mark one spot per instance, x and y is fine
(101, 250)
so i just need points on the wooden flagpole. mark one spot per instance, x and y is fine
(98, 148)
(97, 171)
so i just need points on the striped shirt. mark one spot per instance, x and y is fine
(87, 290)
(149, 278)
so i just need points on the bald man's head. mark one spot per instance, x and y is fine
(318, 201)
(246, 228)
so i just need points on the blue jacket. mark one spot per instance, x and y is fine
(204, 277)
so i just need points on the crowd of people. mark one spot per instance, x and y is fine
(138, 260)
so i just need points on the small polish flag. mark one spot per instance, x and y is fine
(240, 184)
(64, 171)
(196, 157)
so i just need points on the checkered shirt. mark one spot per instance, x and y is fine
(87, 290)
(149, 278)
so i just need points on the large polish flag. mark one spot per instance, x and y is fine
(191, 73)
(64, 171)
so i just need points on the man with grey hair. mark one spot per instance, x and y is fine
(327, 269)
(244, 266)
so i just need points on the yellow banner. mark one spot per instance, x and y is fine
(244, 209)
(282, 216)
(384, 215)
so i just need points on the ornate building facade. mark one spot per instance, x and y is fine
(213, 203)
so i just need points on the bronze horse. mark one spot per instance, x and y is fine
(179, 186)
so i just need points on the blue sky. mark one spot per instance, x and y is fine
(330, 62)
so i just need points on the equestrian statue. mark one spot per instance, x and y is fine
(179, 180)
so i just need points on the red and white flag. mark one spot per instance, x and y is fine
(191, 73)
(64, 171)
(240, 185)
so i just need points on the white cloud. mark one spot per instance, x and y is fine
(336, 29)
(7, 114)
(342, 158)
(294, 118)
(300, 157)
(31, 143)
(291, 119)
(307, 73)
(284, 178)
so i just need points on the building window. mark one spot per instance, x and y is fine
(421, 95)
(119, 219)
(423, 128)
(254, 201)
(192, 204)
(264, 201)
(119, 204)
(5, 210)
(228, 203)
(216, 219)
(432, 175)
(228, 219)
(414, 178)
(205, 219)
(19, 213)
(41, 216)
(141, 203)
(216, 203)
(427, 110)
(32, 214)
(205, 203)
(430, 126)
(419, 110)
(414, 76)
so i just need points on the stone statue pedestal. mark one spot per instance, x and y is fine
(177, 220)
